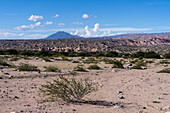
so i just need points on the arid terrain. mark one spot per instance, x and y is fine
(130, 43)
(121, 90)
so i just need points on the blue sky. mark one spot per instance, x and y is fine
(34, 19)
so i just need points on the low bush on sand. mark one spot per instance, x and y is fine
(94, 67)
(46, 59)
(68, 90)
(3, 62)
(81, 69)
(52, 69)
(164, 62)
(167, 70)
(139, 64)
(117, 64)
(27, 67)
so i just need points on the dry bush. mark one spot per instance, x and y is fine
(68, 90)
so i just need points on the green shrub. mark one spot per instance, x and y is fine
(90, 60)
(108, 61)
(26, 53)
(167, 55)
(26, 58)
(111, 54)
(3, 63)
(52, 69)
(73, 73)
(156, 101)
(68, 90)
(46, 59)
(78, 68)
(11, 52)
(94, 67)
(164, 71)
(75, 61)
(43, 53)
(117, 64)
(65, 59)
(27, 67)
(139, 64)
(164, 62)
(14, 59)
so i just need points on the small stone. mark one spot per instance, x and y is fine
(6, 73)
(73, 110)
(119, 92)
(121, 97)
(119, 106)
(16, 97)
(144, 107)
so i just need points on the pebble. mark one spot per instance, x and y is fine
(73, 110)
(121, 97)
(119, 106)
(119, 92)
(16, 97)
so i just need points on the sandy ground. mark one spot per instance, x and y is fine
(140, 88)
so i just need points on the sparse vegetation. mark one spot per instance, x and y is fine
(156, 101)
(14, 59)
(117, 64)
(94, 67)
(139, 64)
(81, 69)
(27, 67)
(164, 62)
(3, 62)
(46, 59)
(167, 55)
(90, 60)
(52, 69)
(75, 61)
(69, 90)
(167, 70)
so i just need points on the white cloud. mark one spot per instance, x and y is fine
(25, 28)
(98, 32)
(35, 17)
(61, 24)
(57, 15)
(48, 23)
(7, 35)
(85, 16)
(96, 27)
(77, 23)
(76, 32)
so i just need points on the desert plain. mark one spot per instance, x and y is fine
(121, 90)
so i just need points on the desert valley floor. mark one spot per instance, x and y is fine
(141, 89)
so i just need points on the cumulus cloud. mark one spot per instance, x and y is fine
(61, 24)
(98, 32)
(35, 17)
(57, 15)
(48, 23)
(8, 35)
(85, 16)
(25, 28)
(88, 32)
(96, 27)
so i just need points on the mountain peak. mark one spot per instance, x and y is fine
(62, 34)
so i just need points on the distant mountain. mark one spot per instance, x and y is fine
(61, 34)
